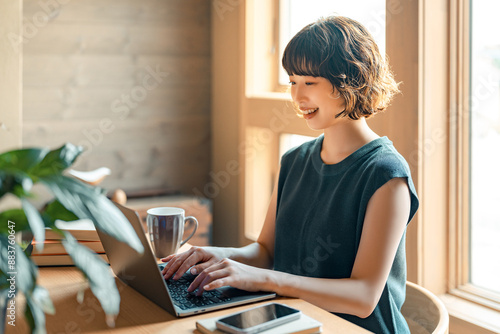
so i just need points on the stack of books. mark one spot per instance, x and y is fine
(54, 253)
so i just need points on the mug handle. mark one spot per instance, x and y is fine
(190, 218)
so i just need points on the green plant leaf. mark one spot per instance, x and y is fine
(88, 202)
(3, 186)
(36, 223)
(4, 299)
(15, 215)
(14, 170)
(16, 182)
(102, 282)
(56, 211)
(72, 197)
(22, 160)
(38, 303)
(41, 297)
(56, 161)
(28, 248)
(4, 284)
(35, 317)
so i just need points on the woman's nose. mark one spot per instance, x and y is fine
(298, 94)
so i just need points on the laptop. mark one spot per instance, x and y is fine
(143, 273)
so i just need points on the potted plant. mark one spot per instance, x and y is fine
(73, 199)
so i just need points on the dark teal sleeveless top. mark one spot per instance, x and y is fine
(320, 214)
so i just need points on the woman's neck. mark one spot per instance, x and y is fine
(344, 138)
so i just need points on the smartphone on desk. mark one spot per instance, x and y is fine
(258, 319)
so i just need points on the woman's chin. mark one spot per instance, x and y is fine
(315, 127)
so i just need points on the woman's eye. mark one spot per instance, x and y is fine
(309, 83)
(292, 83)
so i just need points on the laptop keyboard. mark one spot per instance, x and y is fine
(186, 300)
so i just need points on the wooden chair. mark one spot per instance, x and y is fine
(424, 312)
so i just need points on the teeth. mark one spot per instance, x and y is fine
(308, 111)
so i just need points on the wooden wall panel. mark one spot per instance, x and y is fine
(93, 102)
(172, 12)
(135, 38)
(11, 75)
(128, 80)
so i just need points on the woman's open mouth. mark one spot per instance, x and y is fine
(308, 113)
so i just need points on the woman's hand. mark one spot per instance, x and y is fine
(227, 272)
(199, 258)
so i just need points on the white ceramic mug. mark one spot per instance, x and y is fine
(166, 229)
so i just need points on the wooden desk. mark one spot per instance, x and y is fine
(138, 314)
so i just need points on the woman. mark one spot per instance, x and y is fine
(335, 229)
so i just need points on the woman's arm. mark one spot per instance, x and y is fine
(385, 221)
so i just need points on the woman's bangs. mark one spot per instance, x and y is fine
(302, 66)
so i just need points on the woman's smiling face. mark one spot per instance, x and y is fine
(317, 100)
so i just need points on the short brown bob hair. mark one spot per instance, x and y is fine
(344, 52)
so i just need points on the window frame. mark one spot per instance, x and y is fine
(283, 10)
(459, 206)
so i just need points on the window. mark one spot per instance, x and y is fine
(484, 118)
(296, 14)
